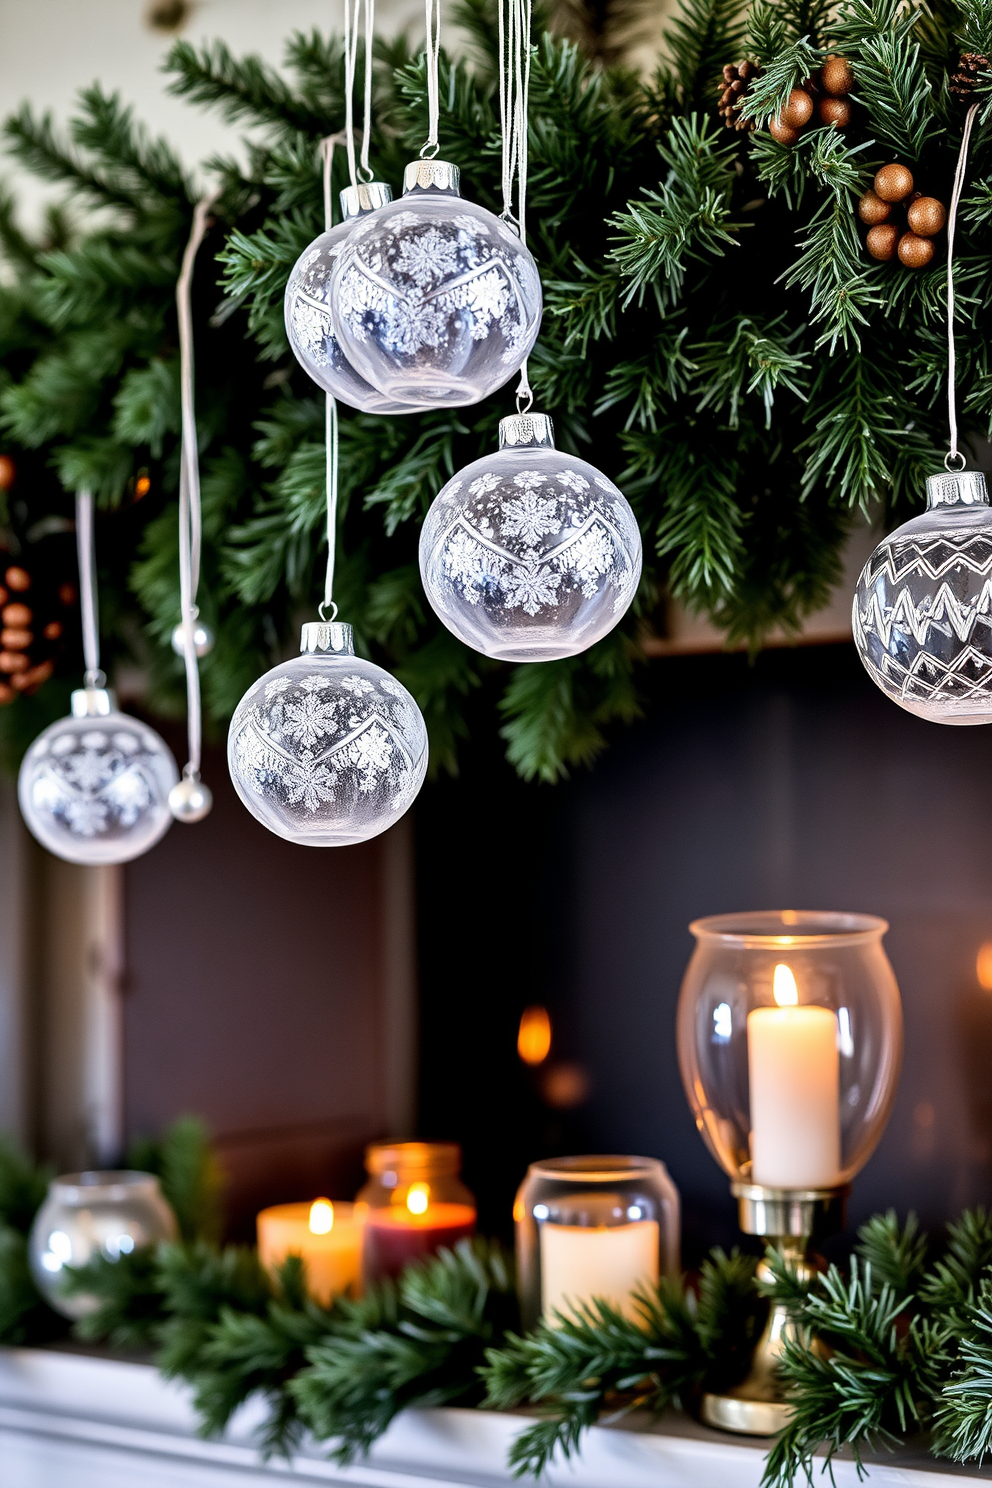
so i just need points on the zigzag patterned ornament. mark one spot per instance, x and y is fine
(923, 606)
(922, 614)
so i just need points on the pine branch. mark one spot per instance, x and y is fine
(691, 218)
(896, 1253)
(597, 1356)
(418, 1343)
(242, 89)
(130, 1297)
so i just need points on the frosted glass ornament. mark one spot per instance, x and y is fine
(922, 614)
(327, 749)
(308, 314)
(434, 299)
(94, 787)
(530, 554)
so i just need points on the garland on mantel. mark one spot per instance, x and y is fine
(905, 1336)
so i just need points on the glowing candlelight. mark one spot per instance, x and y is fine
(328, 1239)
(794, 1071)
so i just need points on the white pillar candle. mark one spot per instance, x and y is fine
(794, 1071)
(611, 1262)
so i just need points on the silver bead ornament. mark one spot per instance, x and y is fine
(203, 639)
(190, 801)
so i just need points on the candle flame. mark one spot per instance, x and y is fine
(534, 1035)
(983, 966)
(417, 1198)
(321, 1217)
(784, 986)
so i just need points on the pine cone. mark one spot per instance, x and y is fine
(970, 64)
(737, 78)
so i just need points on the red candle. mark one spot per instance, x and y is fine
(398, 1235)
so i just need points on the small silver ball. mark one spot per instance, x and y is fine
(190, 800)
(203, 639)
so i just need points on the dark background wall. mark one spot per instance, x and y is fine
(791, 782)
(265, 992)
(262, 990)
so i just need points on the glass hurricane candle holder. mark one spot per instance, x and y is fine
(590, 1227)
(790, 1042)
(328, 1239)
(95, 1213)
(414, 1203)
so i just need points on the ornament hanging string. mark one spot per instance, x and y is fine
(954, 454)
(514, 93)
(351, 9)
(190, 524)
(433, 17)
(330, 406)
(87, 589)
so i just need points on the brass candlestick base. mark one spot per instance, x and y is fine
(789, 1218)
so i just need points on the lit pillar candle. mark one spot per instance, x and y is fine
(612, 1262)
(794, 1072)
(328, 1239)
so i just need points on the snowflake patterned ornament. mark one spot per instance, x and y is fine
(922, 612)
(327, 749)
(435, 301)
(530, 554)
(94, 787)
(308, 312)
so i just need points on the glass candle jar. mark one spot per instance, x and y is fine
(790, 1042)
(593, 1227)
(415, 1203)
(327, 1237)
(86, 1214)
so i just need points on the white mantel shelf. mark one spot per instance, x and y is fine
(72, 1420)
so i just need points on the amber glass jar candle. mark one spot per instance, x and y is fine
(415, 1204)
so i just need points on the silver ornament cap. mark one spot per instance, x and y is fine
(366, 196)
(92, 702)
(327, 636)
(190, 801)
(957, 488)
(526, 431)
(432, 175)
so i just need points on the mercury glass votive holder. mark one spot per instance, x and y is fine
(593, 1227)
(94, 1213)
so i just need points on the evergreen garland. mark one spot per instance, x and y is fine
(714, 337)
(903, 1336)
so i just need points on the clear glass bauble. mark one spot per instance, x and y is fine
(88, 1214)
(94, 787)
(435, 300)
(308, 313)
(530, 554)
(327, 749)
(922, 614)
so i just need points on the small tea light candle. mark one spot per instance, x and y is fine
(611, 1262)
(794, 1073)
(328, 1239)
